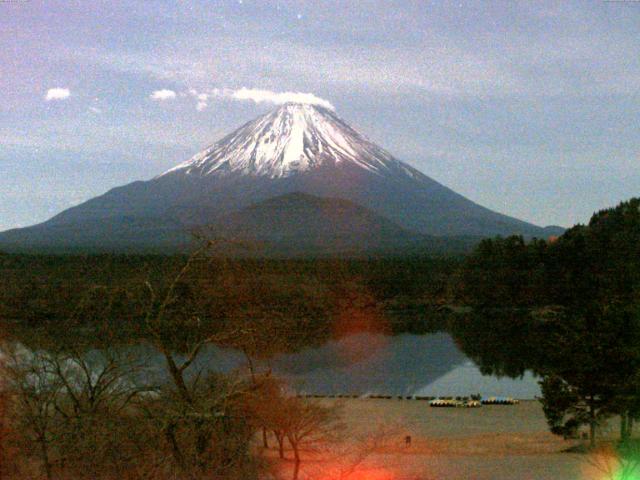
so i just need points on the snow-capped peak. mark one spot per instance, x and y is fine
(296, 137)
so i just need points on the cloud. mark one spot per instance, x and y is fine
(163, 94)
(268, 96)
(256, 95)
(202, 98)
(57, 94)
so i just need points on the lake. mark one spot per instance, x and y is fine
(367, 364)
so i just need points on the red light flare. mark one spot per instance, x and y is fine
(343, 472)
(372, 474)
(358, 314)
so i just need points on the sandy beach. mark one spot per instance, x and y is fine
(487, 443)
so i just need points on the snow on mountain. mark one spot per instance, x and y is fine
(294, 138)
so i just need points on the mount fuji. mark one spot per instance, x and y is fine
(297, 180)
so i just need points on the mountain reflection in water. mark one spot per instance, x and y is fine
(430, 365)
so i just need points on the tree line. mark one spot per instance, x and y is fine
(568, 309)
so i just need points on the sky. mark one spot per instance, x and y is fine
(528, 108)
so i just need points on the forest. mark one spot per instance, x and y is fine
(79, 402)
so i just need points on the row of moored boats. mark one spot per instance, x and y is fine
(472, 403)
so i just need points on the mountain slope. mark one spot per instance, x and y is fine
(296, 148)
(301, 220)
(290, 225)
(298, 224)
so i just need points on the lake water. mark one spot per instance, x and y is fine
(429, 365)
(368, 364)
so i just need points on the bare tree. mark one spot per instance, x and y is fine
(34, 396)
(316, 434)
(71, 406)
(352, 455)
(201, 415)
(309, 426)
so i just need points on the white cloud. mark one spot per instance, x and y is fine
(163, 94)
(57, 94)
(268, 96)
(202, 98)
(257, 95)
(95, 109)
